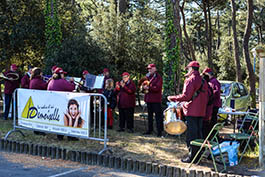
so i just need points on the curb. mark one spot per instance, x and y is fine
(91, 158)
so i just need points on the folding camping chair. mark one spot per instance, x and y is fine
(207, 144)
(245, 135)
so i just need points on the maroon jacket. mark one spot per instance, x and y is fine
(10, 86)
(154, 94)
(216, 92)
(38, 84)
(209, 108)
(193, 107)
(126, 95)
(61, 85)
(25, 81)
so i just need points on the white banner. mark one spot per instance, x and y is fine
(57, 112)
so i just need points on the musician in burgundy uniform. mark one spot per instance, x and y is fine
(126, 102)
(153, 98)
(195, 98)
(10, 86)
(58, 83)
(26, 78)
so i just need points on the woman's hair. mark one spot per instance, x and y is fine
(109, 84)
(35, 72)
(72, 101)
(56, 76)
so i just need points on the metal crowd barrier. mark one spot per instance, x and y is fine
(96, 129)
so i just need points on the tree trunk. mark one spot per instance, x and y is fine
(210, 62)
(236, 46)
(218, 31)
(189, 42)
(206, 31)
(247, 33)
(123, 6)
(180, 43)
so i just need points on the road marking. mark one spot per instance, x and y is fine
(67, 172)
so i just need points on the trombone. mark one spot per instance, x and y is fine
(9, 76)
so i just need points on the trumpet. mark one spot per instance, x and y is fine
(9, 76)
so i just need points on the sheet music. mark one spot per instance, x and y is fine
(94, 82)
(99, 82)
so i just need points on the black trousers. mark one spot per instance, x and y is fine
(126, 115)
(214, 116)
(206, 128)
(194, 131)
(8, 100)
(157, 109)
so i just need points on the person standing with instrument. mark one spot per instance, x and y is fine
(195, 98)
(153, 98)
(36, 80)
(26, 78)
(11, 83)
(126, 102)
(58, 83)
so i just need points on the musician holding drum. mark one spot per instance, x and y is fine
(153, 98)
(195, 98)
(12, 82)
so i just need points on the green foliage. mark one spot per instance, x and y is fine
(21, 33)
(53, 33)
(130, 40)
(171, 60)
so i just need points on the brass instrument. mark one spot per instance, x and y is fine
(172, 123)
(142, 83)
(10, 76)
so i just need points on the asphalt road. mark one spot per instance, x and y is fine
(22, 165)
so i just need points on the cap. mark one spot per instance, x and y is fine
(193, 64)
(151, 66)
(85, 72)
(125, 74)
(207, 70)
(59, 70)
(105, 70)
(54, 67)
(14, 66)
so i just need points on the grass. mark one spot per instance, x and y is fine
(168, 150)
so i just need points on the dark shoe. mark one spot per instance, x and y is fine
(69, 138)
(148, 133)
(121, 130)
(110, 127)
(130, 131)
(60, 137)
(186, 160)
(159, 135)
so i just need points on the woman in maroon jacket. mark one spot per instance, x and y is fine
(58, 83)
(36, 81)
(126, 102)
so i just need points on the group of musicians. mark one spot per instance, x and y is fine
(196, 96)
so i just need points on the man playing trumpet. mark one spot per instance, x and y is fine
(11, 83)
(153, 98)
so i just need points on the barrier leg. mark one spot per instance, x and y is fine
(11, 131)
